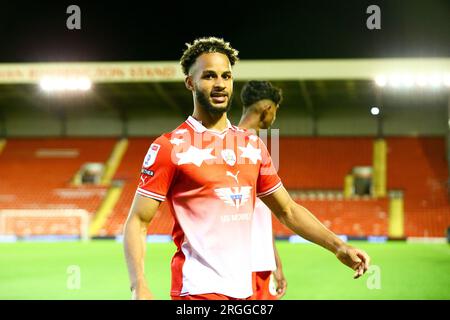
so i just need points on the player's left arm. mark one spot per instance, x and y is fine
(305, 224)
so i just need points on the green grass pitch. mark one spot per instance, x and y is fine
(42, 271)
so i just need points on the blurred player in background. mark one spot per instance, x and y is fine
(210, 173)
(261, 100)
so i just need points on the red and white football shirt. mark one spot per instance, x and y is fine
(263, 257)
(210, 181)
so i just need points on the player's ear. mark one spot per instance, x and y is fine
(263, 114)
(189, 83)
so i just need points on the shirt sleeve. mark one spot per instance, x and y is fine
(268, 179)
(157, 170)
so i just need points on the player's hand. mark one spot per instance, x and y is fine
(354, 258)
(141, 292)
(280, 282)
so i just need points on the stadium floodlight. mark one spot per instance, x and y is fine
(46, 84)
(380, 80)
(421, 81)
(435, 81)
(375, 111)
(71, 84)
(85, 84)
(447, 80)
(58, 84)
(395, 80)
(407, 80)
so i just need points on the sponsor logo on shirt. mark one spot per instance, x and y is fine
(148, 172)
(234, 176)
(235, 197)
(151, 155)
(235, 217)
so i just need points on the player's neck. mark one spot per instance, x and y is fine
(249, 122)
(217, 122)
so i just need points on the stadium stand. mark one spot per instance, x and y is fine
(37, 173)
(321, 162)
(418, 166)
(357, 218)
(128, 172)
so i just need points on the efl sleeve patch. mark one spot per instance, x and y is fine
(158, 170)
(151, 155)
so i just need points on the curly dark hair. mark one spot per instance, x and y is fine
(206, 45)
(254, 91)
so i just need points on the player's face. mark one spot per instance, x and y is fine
(212, 82)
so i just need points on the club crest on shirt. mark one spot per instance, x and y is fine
(235, 197)
(151, 155)
(229, 156)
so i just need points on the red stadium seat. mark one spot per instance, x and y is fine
(418, 166)
(128, 172)
(32, 181)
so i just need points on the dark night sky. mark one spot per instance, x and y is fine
(157, 30)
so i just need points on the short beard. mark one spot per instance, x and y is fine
(204, 102)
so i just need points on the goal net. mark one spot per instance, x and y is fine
(52, 222)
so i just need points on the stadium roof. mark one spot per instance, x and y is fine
(163, 71)
(309, 86)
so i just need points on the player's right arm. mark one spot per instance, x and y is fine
(157, 173)
(141, 213)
